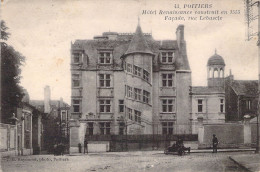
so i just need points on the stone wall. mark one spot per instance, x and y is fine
(8, 145)
(230, 135)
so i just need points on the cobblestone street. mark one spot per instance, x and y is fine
(123, 161)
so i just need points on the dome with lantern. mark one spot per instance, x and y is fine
(216, 60)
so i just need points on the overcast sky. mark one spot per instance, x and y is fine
(42, 31)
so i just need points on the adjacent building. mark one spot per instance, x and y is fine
(242, 98)
(55, 120)
(208, 103)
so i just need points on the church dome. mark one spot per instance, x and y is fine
(216, 60)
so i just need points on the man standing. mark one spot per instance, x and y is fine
(215, 143)
(85, 146)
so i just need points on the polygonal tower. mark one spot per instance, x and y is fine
(216, 71)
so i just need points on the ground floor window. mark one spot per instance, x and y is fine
(121, 128)
(167, 127)
(104, 128)
(90, 128)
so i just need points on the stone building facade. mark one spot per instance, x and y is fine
(208, 103)
(129, 84)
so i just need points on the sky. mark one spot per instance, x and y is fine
(42, 30)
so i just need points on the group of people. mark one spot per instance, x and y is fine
(85, 147)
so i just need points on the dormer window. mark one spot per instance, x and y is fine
(76, 57)
(105, 57)
(167, 57)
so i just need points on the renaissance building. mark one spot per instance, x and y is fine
(130, 84)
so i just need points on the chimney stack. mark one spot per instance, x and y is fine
(47, 98)
(180, 35)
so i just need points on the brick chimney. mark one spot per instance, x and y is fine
(47, 98)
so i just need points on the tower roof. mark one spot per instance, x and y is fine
(138, 43)
(216, 60)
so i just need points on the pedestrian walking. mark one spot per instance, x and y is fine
(85, 146)
(215, 143)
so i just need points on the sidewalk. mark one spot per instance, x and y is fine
(162, 152)
(250, 162)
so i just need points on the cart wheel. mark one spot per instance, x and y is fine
(165, 152)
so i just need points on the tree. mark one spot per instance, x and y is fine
(11, 91)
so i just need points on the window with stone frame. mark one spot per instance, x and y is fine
(76, 105)
(121, 106)
(129, 91)
(90, 128)
(63, 116)
(137, 116)
(167, 57)
(105, 57)
(167, 80)
(129, 68)
(146, 75)
(221, 105)
(168, 105)
(104, 128)
(76, 57)
(137, 94)
(104, 80)
(75, 80)
(137, 70)
(200, 105)
(167, 128)
(105, 106)
(146, 97)
(129, 112)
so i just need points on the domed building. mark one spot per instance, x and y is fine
(208, 103)
(216, 71)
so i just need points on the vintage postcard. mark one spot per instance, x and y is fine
(134, 85)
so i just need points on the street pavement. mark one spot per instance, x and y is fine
(251, 162)
(153, 161)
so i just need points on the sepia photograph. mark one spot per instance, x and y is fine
(133, 85)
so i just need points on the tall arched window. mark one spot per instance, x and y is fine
(210, 73)
(221, 73)
(215, 73)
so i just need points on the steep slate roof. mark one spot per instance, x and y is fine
(216, 60)
(245, 87)
(138, 43)
(122, 45)
(207, 90)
